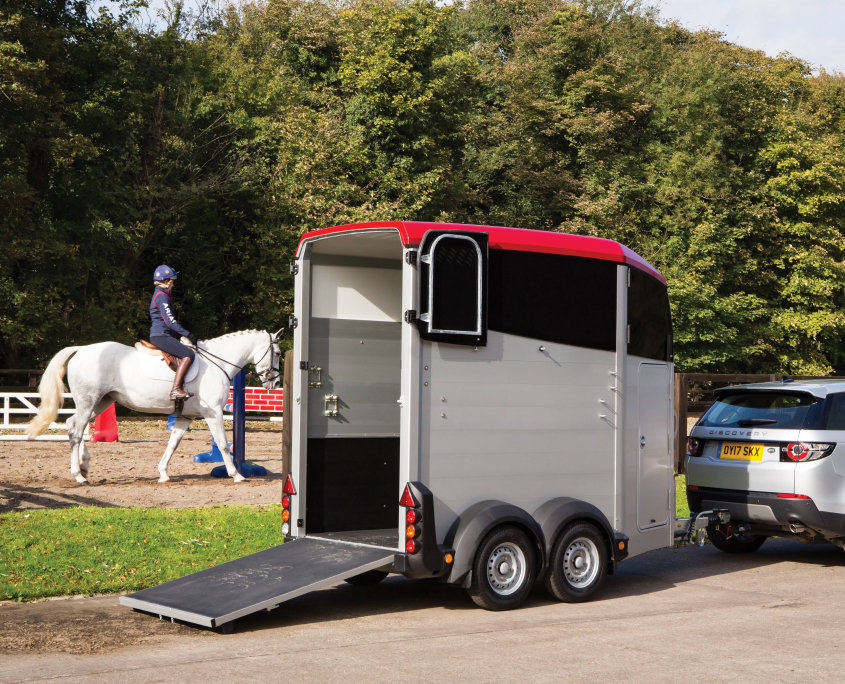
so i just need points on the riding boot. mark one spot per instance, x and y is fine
(178, 391)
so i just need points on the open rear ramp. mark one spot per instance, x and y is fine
(261, 580)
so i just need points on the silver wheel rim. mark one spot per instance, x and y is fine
(581, 562)
(506, 569)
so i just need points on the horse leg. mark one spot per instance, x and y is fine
(76, 438)
(218, 431)
(85, 458)
(180, 427)
(76, 425)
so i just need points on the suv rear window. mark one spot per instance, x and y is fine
(775, 409)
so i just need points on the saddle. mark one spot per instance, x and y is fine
(149, 348)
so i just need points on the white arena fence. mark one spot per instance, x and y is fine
(22, 404)
(259, 401)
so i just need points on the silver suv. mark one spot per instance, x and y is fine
(773, 454)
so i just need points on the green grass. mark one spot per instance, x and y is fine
(108, 550)
(681, 507)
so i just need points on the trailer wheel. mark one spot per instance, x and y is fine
(578, 563)
(504, 570)
(736, 543)
(367, 579)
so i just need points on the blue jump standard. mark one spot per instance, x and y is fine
(238, 430)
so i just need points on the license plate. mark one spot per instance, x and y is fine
(741, 451)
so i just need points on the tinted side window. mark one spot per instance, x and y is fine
(552, 297)
(835, 411)
(649, 318)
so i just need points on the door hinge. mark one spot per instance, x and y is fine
(303, 365)
(411, 316)
(411, 257)
(293, 322)
(294, 268)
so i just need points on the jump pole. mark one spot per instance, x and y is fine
(239, 433)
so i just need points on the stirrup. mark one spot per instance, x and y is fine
(180, 394)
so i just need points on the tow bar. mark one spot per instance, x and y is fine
(689, 530)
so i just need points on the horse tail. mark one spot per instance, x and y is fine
(51, 388)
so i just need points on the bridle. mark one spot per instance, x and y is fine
(266, 376)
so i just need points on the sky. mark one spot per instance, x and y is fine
(809, 29)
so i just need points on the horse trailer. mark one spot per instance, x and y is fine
(491, 407)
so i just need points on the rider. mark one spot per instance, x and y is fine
(166, 331)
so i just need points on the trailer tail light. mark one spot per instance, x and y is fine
(803, 451)
(413, 516)
(408, 498)
(287, 491)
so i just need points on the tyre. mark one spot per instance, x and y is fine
(367, 579)
(736, 543)
(504, 569)
(578, 563)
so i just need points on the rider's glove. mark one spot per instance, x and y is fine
(192, 339)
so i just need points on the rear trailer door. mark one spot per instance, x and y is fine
(262, 580)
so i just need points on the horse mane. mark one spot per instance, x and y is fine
(233, 334)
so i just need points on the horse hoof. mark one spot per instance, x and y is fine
(238, 477)
(81, 479)
(164, 478)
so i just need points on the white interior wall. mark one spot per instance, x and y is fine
(356, 293)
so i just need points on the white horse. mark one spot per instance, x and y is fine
(99, 374)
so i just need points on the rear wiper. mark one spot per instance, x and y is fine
(748, 422)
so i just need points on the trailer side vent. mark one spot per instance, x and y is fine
(453, 288)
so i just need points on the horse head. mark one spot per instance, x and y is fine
(266, 358)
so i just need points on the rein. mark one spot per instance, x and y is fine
(270, 374)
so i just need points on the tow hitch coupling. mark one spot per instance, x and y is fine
(690, 530)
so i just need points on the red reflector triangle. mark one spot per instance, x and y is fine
(407, 498)
(289, 488)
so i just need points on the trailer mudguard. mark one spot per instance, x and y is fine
(558, 513)
(475, 523)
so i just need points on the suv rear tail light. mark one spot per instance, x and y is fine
(805, 451)
(693, 447)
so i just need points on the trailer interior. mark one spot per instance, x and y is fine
(354, 364)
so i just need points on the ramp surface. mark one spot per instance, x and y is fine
(261, 580)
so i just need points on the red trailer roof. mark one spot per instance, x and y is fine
(517, 239)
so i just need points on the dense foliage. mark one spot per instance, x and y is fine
(213, 142)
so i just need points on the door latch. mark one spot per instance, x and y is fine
(315, 376)
(331, 405)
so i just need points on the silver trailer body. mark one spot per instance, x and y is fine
(516, 419)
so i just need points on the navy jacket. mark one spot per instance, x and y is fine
(161, 313)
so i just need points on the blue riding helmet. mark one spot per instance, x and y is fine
(164, 272)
